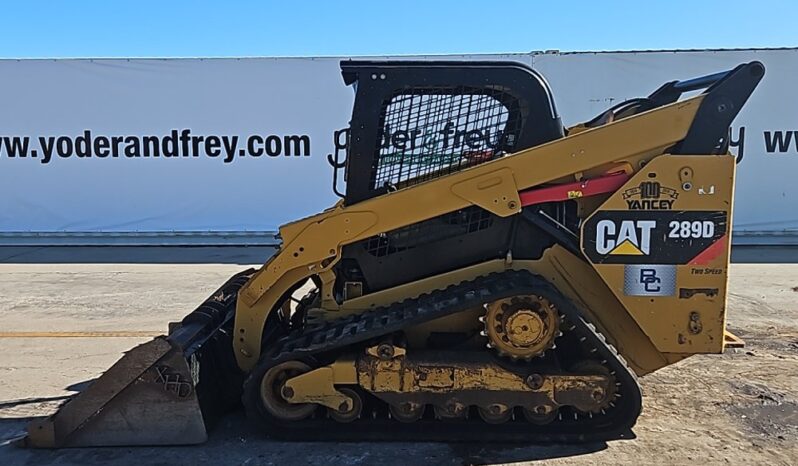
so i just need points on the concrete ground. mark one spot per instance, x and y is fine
(740, 407)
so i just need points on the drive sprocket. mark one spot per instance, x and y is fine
(522, 327)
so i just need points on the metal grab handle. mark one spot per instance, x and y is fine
(701, 82)
(335, 161)
(670, 92)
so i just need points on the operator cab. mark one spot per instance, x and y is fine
(415, 121)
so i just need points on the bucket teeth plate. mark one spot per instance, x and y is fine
(146, 398)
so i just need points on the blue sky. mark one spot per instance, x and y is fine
(146, 28)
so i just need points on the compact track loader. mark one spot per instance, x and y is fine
(488, 274)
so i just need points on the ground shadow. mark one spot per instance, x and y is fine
(470, 454)
(235, 441)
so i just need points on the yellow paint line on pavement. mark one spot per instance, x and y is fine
(109, 334)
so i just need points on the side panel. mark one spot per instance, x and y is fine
(313, 245)
(661, 243)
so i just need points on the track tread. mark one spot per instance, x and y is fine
(408, 312)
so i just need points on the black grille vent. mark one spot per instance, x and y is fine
(468, 220)
(430, 133)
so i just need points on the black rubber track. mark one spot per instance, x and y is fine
(615, 423)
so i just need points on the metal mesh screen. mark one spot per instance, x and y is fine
(453, 224)
(430, 133)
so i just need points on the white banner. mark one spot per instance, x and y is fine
(170, 145)
(240, 145)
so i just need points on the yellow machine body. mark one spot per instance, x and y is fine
(312, 245)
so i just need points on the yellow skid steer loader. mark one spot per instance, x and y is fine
(488, 274)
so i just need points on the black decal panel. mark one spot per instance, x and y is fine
(650, 237)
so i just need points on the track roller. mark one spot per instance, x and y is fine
(407, 412)
(495, 413)
(351, 414)
(452, 410)
(540, 415)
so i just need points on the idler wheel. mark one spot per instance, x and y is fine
(274, 394)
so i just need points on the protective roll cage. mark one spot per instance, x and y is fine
(415, 120)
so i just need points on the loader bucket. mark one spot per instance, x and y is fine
(167, 391)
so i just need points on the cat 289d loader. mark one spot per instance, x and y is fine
(488, 275)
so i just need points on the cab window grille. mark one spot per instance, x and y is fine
(431, 133)
(453, 224)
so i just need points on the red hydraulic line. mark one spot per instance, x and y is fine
(561, 192)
